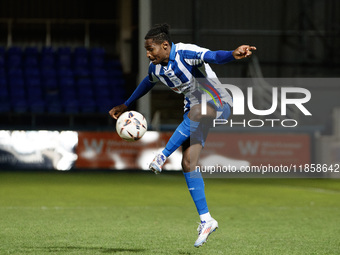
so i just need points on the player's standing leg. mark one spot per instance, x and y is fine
(191, 151)
(195, 185)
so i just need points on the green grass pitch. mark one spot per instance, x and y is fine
(141, 213)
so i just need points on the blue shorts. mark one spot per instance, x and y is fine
(201, 133)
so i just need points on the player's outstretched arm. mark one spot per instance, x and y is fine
(144, 87)
(116, 111)
(223, 57)
(243, 51)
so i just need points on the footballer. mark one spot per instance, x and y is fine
(185, 69)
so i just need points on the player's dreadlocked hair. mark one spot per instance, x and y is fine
(159, 33)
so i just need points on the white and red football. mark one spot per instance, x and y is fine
(131, 126)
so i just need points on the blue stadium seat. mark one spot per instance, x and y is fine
(14, 61)
(19, 105)
(84, 82)
(80, 61)
(2, 51)
(48, 72)
(68, 94)
(118, 93)
(14, 57)
(81, 71)
(17, 93)
(53, 103)
(37, 106)
(51, 96)
(47, 61)
(47, 50)
(65, 72)
(102, 91)
(114, 64)
(64, 61)
(54, 107)
(15, 72)
(85, 93)
(17, 102)
(31, 51)
(97, 51)
(80, 51)
(63, 57)
(118, 101)
(31, 61)
(50, 83)
(104, 105)
(3, 81)
(97, 61)
(114, 73)
(5, 106)
(100, 82)
(14, 51)
(87, 105)
(3, 72)
(116, 82)
(2, 61)
(33, 82)
(34, 93)
(99, 73)
(66, 82)
(3, 93)
(32, 71)
(97, 57)
(31, 56)
(16, 82)
(64, 51)
(71, 106)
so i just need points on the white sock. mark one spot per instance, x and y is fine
(205, 217)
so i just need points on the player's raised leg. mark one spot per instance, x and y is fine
(180, 135)
(195, 185)
(190, 123)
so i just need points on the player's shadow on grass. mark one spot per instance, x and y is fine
(75, 248)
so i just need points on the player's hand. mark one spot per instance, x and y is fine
(116, 111)
(243, 51)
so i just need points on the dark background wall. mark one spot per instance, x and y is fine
(294, 38)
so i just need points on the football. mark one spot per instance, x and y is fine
(131, 126)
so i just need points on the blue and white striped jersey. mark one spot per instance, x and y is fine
(188, 74)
